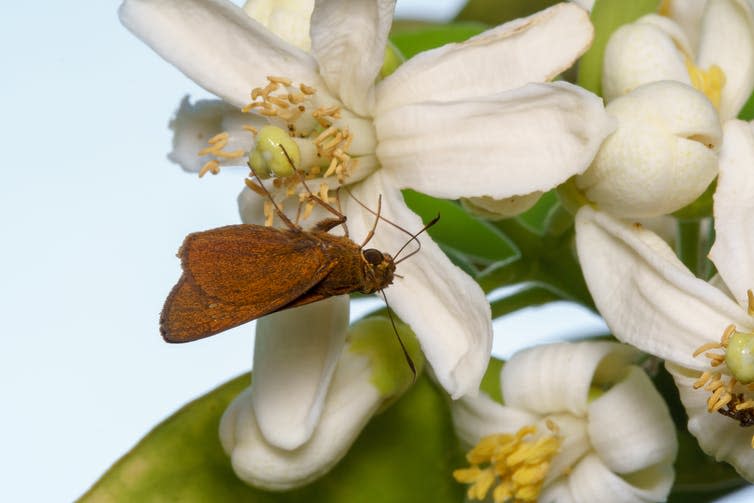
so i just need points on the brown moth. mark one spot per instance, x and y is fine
(235, 274)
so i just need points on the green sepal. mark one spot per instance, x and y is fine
(607, 16)
(406, 454)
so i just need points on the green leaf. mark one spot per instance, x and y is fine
(747, 112)
(495, 12)
(607, 16)
(536, 217)
(413, 38)
(406, 454)
(480, 241)
(491, 380)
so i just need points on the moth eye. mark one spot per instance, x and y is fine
(373, 256)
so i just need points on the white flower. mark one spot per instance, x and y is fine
(649, 299)
(663, 154)
(579, 424)
(653, 48)
(443, 112)
(369, 372)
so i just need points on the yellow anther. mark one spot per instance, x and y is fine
(256, 188)
(212, 166)
(729, 330)
(516, 465)
(702, 379)
(324, 190)
(220, 137)
(250, 129)
(664, 8)
(710, 81)
(296, 98)
(750, 297)
(706, 347)
(307, 89)
(268, 213)
(279, 80)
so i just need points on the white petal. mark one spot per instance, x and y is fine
(514, 143)
(592, 481)
(661, 157)
(688, 15)
(477, 416)
(558, 492)
(718, 436)
(727, 40)
(295, 354)
(532, 49)
(639, 53)
(351, 402)
(556, 377)
(733, 251)
(630, 426)
(575, 444)
(217, 45)
(646, 295)
(348, 40)
(445, 307)
(196, 123)
(288, 19)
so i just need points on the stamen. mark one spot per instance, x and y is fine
(517, 465)
(280, 80)
(307, 89)
(710, 81)
(705, 347)
(750, 308)
(212, 166)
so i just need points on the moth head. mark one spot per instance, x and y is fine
(381, 265)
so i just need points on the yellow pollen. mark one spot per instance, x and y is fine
(750, 307)
(307, 89)
(212, 166)
(725, 397)
(280, 80)
(710, 81)
(516, 465)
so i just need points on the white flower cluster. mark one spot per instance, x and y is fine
(580, 422)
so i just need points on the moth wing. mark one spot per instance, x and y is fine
(234, 274)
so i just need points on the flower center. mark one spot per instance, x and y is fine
(515, 464)
(306, 135)
(730, 392)
(710, 81)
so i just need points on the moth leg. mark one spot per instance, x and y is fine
(260, 185)
(329, 223)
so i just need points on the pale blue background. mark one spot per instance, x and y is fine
(92, 214)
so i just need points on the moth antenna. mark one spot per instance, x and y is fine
(400, 341)
(323, 203)
(413, 238)
(253, 186)
(370, 234)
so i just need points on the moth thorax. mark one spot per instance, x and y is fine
(378, 270)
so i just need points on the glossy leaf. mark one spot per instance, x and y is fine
(413, 38)
(495, 12)
(479, 241)
(405, 454)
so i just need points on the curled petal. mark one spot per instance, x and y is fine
(718, 435)
(445, 308)
(640, 53)
(348, 40)
(196, 123)
(688, 15)
(733, 251)
(287, 20)
(477, 416)
(521, 141)
(727, 40)
(630, 426)
(217, 45)
(295, 355)
(532, 49)
(591, 481)
(351, 402)
(556, 377)
(646, 295)
(661, 157)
